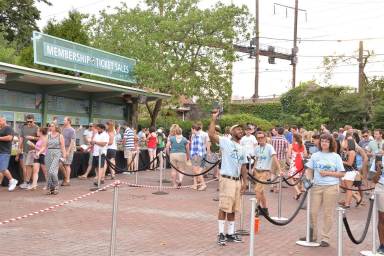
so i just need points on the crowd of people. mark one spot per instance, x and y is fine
(347, 157)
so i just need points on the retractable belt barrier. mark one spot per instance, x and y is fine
(192, 175)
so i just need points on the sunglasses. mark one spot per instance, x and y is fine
(365, 136)
(259, 138)
(29, 122)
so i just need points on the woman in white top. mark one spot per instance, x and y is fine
(112, 146)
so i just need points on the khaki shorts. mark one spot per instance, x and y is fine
(128, 153)
(229, 195)
(275, 169)
(262, 176)
(29, 158)
(179, 160)
(379, 189)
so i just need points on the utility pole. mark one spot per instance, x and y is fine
(361, 68)
(257, 52)
(294, 49)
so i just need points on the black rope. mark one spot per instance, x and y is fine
(294, 183)
(293, 175)
(357, 189)
(192, 175)
(348, 229)
(150, 163)
(272, 182)
(284, 223)
(215, 163)
(120, 170)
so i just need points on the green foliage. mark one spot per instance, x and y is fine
(226, 120)
(180, 49)
(268, 111)
(8, 51)
(74, 28)
(18, 20)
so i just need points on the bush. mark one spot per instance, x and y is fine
(268, 111)
(226, 120)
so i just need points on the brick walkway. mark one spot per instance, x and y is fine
(180, 223)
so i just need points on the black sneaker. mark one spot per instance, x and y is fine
(221, 239)
(324, 244)
(233, 238)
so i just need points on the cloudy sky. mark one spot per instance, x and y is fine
(327, 28)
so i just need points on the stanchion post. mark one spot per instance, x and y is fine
(98, 171)
(242, 231)
(374, 228)
(161, 192)
(134, 167)
(249, 192)
(114, 219)
(279, 202)
(307, 241)
(252, 228)
(340, 215)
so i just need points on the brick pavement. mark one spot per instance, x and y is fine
(180, 223)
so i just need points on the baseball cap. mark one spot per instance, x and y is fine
(235, 126)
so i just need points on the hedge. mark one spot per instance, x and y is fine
(225, 120)
(268, 111)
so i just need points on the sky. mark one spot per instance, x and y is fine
(325, 28)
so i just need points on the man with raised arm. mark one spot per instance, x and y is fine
(233, 163)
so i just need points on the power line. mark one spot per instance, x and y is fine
(325, 40)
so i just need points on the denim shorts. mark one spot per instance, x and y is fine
(4, 161)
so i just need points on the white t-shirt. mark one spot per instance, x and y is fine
(249, 143)
(88, 134)
(100, 137)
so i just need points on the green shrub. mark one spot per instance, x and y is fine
(268, 111)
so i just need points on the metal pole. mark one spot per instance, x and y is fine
(307, 241)
(99, 173)
(252, 227)
(133, 161)
(257, 52)
(160, 191)
(114, 219)
(341, 213)
(242, 231)
(249, 192)
(295, 44)
(279, 202)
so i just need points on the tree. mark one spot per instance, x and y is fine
(180, 49)
(18, 20)
(73, 28)
(8, 50)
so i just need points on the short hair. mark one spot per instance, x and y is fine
(332, 142)
(178, 130)
(294, 127)
(261, 133)
(379, 131)
(30, 116)
(365, 131)
(69, 119)
(101, 126)
(196, 126)
(280, 130)
(43, 130)
(152, 129)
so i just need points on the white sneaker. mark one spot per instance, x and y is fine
(12, 184)
(24, 185)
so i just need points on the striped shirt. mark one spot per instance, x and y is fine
(129, 137)
(280, 144)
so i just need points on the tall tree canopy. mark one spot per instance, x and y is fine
(180, 49)
(18, 20)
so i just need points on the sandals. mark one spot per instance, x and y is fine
(82, 177)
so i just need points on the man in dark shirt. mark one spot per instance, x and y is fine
(6, 136)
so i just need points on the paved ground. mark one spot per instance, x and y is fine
(180, 223)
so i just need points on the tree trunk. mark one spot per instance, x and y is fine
(155, 112)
